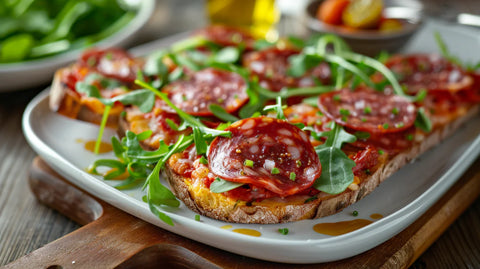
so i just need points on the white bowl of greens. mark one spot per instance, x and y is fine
(39, 36)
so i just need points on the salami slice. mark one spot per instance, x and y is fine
(227, 36)
(206, 87)
(365, 159)
(268, 153)
(430, 72)
(271, 66)
(368, 110)
(392, 143)
(112, 63)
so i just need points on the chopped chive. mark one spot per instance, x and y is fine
(283, 231)
(367, 110)
(395, 111)
(275, 171)
(344, 112)
(399, 125)
(367, 171)
(197, 217)
(336, 97)
(299, 163)
(364, 120)
(409, 137)
(385, 126)
(293, 176)
(248, 163)
(91, 62)
(109, 56)
(380, 152)
(355, 213)
(362, 135)
(203, 160)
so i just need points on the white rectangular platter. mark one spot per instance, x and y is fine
(401, 199)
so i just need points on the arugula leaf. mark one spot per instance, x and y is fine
(444, 49)
(107, 83)
(422, 121)
(301, 63)
(340, 60)
(259, 95)
(72, 11)
(336, 137)
(200, 143)
(337, 172)
(154, 65)
(128, 183)
(88, 89)
(16, 48)
(144, 99)
(313, 101)
(255, 102)
(117, 168)
(189, 43)
(190, 120)
(103, 123)
(183, 60)
(118, 149)
(135, 152)
(297, 42)
(144, 135)
(290, 92)
(220, 113)
(220, 185)
(278, 108)
(339, 44)
(157, 194)
(176, 74)
(262, 44)
(340, 78)
(227, 55)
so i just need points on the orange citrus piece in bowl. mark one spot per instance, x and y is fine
(330, 11)
(363, 14)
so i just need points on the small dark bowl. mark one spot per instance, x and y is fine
(371, 42)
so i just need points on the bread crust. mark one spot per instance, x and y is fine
(67, 102)
(294, 208)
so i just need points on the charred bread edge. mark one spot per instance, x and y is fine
(288, 211)
(66, 102)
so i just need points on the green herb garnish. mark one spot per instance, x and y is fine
(248, 163)
(337, 172)
(220, 185)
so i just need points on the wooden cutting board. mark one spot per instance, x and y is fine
(111, 238)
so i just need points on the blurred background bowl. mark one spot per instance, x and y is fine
(371, 42)
(32, 73)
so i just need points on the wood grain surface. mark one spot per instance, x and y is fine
(26, 225)
(104, 243)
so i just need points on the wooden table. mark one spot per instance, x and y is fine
(26, 225)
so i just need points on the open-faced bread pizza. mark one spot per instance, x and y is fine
(249, 131)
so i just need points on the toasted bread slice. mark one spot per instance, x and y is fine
(200, 199)
(70, 103)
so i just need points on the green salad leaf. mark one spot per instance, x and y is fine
(337, 172)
